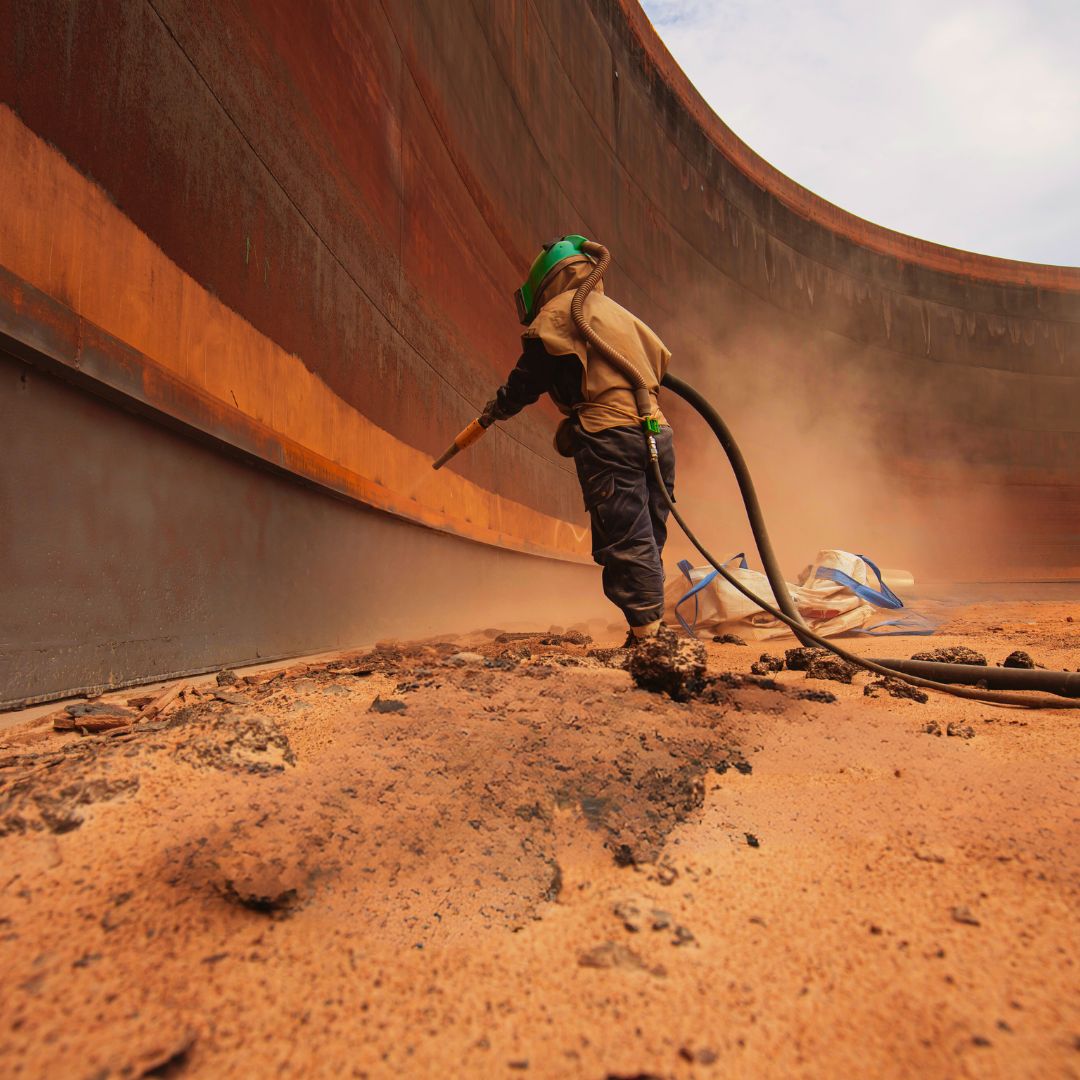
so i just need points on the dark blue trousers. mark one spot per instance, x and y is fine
(628, 515)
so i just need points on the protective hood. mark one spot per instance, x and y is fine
(552, 254)
(566, 277)
(609, 400)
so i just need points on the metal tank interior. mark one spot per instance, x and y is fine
(256, 266)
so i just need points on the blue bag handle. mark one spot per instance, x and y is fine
(886, 598)
(686, 566)
(911, 625)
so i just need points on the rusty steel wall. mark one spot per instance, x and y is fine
(141, 552)
(292, 230)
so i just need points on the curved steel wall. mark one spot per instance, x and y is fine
(293, 229)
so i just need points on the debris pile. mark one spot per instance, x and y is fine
(669, 664)
(952, 654)
(767, 664)
(1019, 659)
(830, 666)
(676, 666)
(896, 688)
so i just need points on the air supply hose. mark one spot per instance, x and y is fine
(749, 498)
(1055, 682)
(637, 380)
(1062, 682)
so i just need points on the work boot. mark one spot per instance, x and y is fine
(636, 634)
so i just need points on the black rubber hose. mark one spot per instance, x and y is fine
(749, 497)
(1065, 683)
(1034, 702)
(997, 698)
(1003, 678)
(790, 615)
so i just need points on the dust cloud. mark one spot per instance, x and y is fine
(836, 465)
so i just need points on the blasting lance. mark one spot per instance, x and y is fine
(465, 438)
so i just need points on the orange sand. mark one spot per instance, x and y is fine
(292, 884)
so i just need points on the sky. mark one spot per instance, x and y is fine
(956, 121)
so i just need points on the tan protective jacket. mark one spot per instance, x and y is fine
(609, 401)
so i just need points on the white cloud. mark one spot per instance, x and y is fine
(956, 120)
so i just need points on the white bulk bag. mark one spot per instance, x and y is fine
(837, 593)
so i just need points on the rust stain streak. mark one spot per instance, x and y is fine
(201, 363)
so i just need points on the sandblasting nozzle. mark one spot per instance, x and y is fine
(465, 438)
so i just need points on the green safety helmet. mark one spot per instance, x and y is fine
(553, 253)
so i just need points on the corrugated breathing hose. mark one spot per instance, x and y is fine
(785, 611)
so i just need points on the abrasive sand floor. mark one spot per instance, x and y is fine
(515, 863)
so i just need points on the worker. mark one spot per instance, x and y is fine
(602, 429)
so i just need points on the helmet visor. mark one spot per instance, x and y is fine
(522, 308)
(554, 252)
